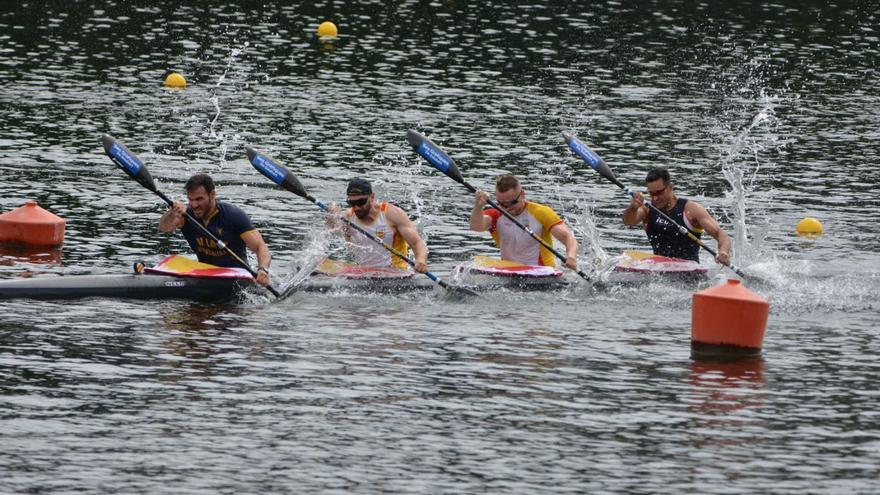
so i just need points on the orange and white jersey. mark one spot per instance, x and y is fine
(516, 244)
(368, 252)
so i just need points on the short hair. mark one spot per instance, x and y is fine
(200, 180)
(506, 183)
(658, 173)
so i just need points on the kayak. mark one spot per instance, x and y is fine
(334, 275)
(635, 266)
(175, 277)
(494, 273)
(133, 286)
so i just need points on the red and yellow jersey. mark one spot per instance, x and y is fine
(368, 252)
(516, 244)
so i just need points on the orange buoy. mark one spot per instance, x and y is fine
(730, 316)
(30, 225)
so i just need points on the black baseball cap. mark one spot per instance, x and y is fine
(359, 187)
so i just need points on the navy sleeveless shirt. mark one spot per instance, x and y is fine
(665, 237)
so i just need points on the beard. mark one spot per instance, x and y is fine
(362, 213)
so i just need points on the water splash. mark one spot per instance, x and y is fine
(741, 162)
(319, 246)
(592, 253)
(215, 101)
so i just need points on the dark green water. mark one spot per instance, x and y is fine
(765, 113)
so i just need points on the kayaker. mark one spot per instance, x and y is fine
(666, 240)
(384, 220)
(515, 243)
(228, 223)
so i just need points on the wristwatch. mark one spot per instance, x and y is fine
(263, 269)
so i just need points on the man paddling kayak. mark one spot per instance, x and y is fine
(385, 221)
(665, 238)
(228, 223)
(515, 243)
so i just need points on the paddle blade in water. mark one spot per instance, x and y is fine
(128, 162)
(275, 172)
(434, 155)
(589, 156)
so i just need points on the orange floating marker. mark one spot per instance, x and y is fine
(30, 225)
(728, 317)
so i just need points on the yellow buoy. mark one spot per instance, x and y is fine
(174, 80)
(327, 29)
(809, 227)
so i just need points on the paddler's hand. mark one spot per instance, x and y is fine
(571, 262)
(480, 198)
(637, 201)
(263, 277)
(173, 218)
(723, 258)
(421, 266)
(333, 214)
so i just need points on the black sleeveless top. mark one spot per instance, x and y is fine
(666, 239)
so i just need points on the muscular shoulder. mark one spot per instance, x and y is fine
(695, 212)
(395, 214)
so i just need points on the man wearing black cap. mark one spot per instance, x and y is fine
(385, 221)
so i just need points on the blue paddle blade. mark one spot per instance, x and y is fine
(434, 155)
(276, 173)
(128, 162)
(589, 156)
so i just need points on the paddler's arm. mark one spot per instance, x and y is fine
(634, 214)
(173, 218)
(701, 218)
(564, 235)
(405, 227)
(479, 221)
(254, 241)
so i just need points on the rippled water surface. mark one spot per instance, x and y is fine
(765, 114)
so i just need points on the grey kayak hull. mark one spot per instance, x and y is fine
(132, 286)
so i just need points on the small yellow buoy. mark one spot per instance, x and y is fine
(809, 227)
(327, 29)
(174, 80)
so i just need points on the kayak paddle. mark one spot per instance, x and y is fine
(442, 162)
(597, 164)
(280, 175)
(135, 168)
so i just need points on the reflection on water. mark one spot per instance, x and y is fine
(13, 255)
(724, 387)
(202, 336)
(721, 394)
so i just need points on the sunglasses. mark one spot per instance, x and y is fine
(658, 192)
(508, 204)
(357, 202)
